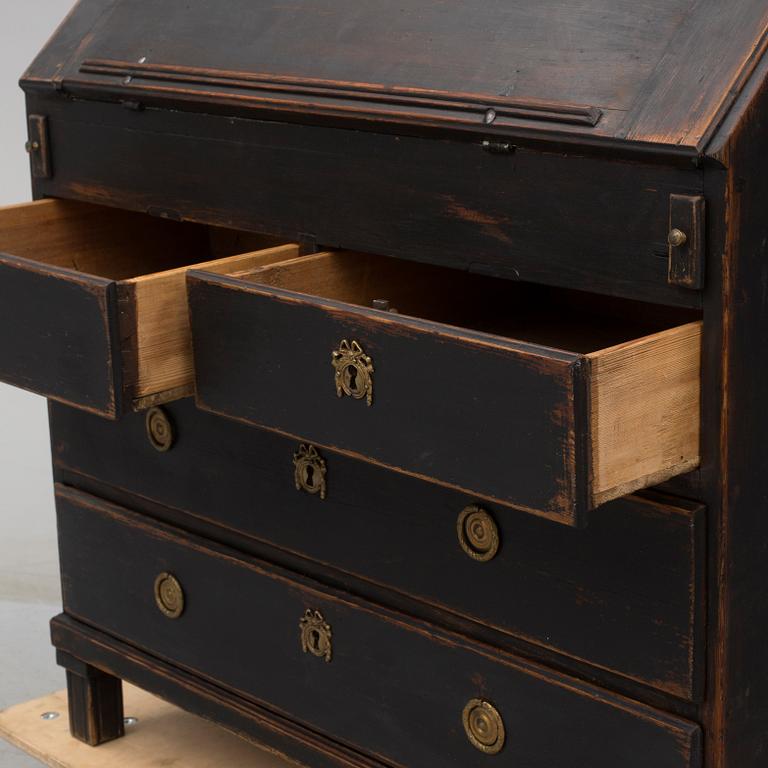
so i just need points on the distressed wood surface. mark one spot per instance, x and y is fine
(94, 300)
(609, 69)
(645, 407)
(447, 399)
(163, 347)
(737, 712)
(164, 735)
(602, 222)
(623, 594)
(261, 658)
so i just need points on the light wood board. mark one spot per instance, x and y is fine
(164, 736)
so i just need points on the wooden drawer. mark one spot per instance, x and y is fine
(93, 300)
(624, 594)
(549, 400)
(372, 679)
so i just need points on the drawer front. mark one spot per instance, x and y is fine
(93, 308)
(566, 410)
(624, 593)
(369, 678)
(558, 218)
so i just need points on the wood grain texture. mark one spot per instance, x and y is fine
(164, 734)
(737, 714)
(645, 408)
(426, 409)
(96, 240)
(261, 658)
(602, 223)
(163, 344)
(58, 335)
(95, 705)
(649, 67)
(623, 594)
(94, 309)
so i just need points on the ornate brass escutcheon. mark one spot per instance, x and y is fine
(169, 596)
(354, 371)
(160, 430)
(309, 470)
(316, 635)
(484, 726)
(478, 533)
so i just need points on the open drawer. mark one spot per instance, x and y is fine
(93, 308)
(550, 400)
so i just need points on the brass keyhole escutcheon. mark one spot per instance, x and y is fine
(160, 430)
(353, 371)
(316, 635)
(478, 533)
(169, 596)
(484, 726)
(309, 470)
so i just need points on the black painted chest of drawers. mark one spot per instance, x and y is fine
(407, 371)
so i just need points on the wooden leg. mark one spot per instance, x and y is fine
(95, 703)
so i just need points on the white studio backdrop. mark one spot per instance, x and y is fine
(29, 584)
(28, 561)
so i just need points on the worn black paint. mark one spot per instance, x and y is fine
(602, 224)
(622, 593)
(410, 680)
(448, 407)
(57, 334)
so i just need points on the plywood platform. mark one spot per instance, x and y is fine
(164, 736)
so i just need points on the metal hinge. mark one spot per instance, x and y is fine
(39, 147)
(686, 241)
(498, 147)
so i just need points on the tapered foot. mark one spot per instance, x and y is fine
(95, 702)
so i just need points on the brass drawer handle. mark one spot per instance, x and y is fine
(484, 726)
(354, 371)
(169, 596)
(478, 533)
(309, 470)
(160, 430)
(316, 635)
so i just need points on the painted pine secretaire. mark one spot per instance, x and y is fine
(408, 373)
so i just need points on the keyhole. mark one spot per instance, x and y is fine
(309, 476)
(352, 378)
(314, 640)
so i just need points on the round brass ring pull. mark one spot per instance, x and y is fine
(169, 596)
(484, 726)
(478, 533)
(160, 430)
(316, 635)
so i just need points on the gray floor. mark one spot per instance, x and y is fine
(29, 591)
